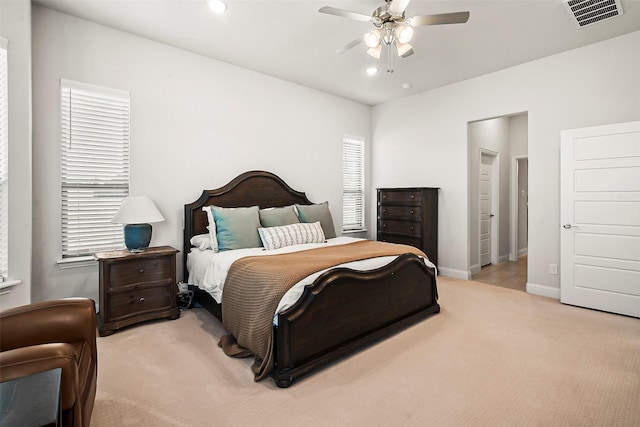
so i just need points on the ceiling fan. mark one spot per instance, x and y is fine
(392, 30)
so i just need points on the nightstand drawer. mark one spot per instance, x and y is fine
(139, 301)
(401, 197)
(402, 227)
(149, 270)
(411, 213)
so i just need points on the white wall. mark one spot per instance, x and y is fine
(492, 135)
(15, 26)
(196, 123)
(593, 85)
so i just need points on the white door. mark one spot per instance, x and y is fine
(600, 216)
(486, 186)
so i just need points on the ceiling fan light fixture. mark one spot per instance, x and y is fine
(375, 52)
(404, 33)
(403, 48)
(372, 38)
(217, 6)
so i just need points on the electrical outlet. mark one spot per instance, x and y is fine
(553, 269)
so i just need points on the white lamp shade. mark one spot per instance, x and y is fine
(372, 38)
(137, 210)
(375, 52)
(404, 33)
(403, 48)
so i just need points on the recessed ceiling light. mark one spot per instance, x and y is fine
(218, 6)
(406, 85)
(372, 70)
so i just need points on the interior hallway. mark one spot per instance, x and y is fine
(510, 274)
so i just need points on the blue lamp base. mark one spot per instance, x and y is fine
(137, 237)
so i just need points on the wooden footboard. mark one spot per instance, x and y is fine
(346, 309)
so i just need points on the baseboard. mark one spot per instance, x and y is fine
(522, 252)
(456, 274)
(503, 258)
(543, 290)
(475, 268)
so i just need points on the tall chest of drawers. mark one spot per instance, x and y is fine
(409, 216)
(135, 287)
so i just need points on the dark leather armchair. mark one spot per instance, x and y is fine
(54, 334)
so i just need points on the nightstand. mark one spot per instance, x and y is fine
(135, 287)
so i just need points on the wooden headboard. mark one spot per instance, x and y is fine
(253, 188)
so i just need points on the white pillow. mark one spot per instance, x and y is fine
(201, 241)
(293, 234)
(213, 238)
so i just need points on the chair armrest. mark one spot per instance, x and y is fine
(21, 362)
(59, 321)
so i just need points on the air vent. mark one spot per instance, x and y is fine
(587, 12)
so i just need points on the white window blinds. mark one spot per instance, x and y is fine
(352, 184)
(95, 166)
(4, 162)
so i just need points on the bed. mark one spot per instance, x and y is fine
(342, 309)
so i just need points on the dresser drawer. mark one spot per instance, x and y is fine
(402, 227)
(409, 213)
(139, 301)
(149, 270)
(400, 197)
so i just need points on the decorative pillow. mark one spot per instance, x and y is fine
(201, 241)
(213, 239)
(276, 217)
(319, 212)
(292, 234)
(237, 228)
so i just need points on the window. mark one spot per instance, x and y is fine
(352, 184)
(95, 166)
(4, 163)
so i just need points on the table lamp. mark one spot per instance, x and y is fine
(136, 213)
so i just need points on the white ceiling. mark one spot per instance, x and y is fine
(291, 40)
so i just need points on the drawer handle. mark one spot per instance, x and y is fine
(384, 211)
(413, 197)
(412, 212)
(141, 271)
(141, 299)
(384, 196)
(384, 225)
(412, 229)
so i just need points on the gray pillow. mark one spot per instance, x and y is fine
(277, 217)
(318, 212)
(237, 228)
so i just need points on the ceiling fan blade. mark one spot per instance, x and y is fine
(345, 13)
(442, 18)
(350, 45)
(398, 7)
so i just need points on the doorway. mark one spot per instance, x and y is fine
(498, 186)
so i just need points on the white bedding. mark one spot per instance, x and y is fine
(208, 269)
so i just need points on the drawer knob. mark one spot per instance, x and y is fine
(141, 270)
(413, 197)
(412, 212)
(141, 299)
(412, 228)
(384, 225)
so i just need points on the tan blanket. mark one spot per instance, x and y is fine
(255, 285)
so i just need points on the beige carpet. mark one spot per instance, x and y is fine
(491, 357)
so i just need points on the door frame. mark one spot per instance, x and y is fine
(513, 201)
(495, 204)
